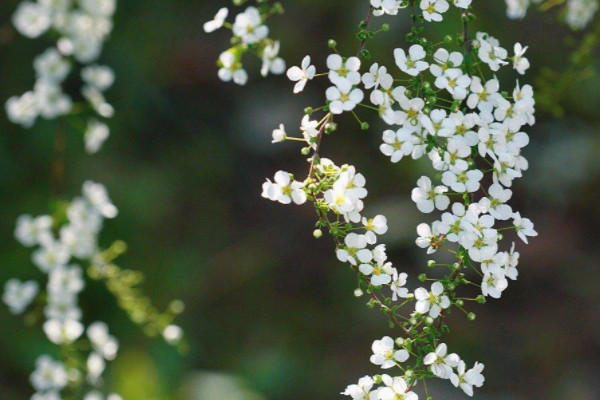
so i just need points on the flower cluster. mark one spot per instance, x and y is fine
(577, 13)
(81, 28)
(250, 34)
(65, 242)
(439, 103)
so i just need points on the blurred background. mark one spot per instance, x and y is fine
(270, 311)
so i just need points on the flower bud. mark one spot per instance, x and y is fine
(431, 263)
(358, 292)
(422, 277)
(305, 151)
(471, 316)
(332, 44)
(317, 233)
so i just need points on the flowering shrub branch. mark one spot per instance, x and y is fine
(444, 101)
(67, 238)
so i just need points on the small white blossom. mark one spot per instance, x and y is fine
(432, 302)
(95, 135)
(412, 63)
(19, 295)
(301, 75)
(49, 374)
(249, 26)
(428, 197)
(343, 70)
(385, 355)
(524, 227)
(217, 22)
(343, 96)
(396, 388)
(433, 9)
(284, 189)
(440, 362)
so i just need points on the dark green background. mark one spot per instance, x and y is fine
(266, 303)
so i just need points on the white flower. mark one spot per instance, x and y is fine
(433, 9)
(445, 61)
(524, 227)
(63, 332)
(18, 295)
(284, 189)
(98, 76)
(231, 69)
(375, 226)
(50, 255)
(343, 97)
(429, 237)
(340, 69)
(95, 135)
(271, 62)
(279, 134)
(49, 374)
(428, 198)
(495, 202)
(66, 279)
(462, 182)
(397, 144)
(440, 363)
(31, 231)
(310, 130)
(397, 286)
(52, 66)
(412, 63)
(97, 196)
(396, 388)
(462, 3)
(99, 8)
(360, 391)
(32, 19)
(455, 82)
(51, 102)
(520, 63)
(483, 97)
(249, 26)
(354, 250)
(467, 379)
(493, 284)
(386, 6)
(102, 342)
(97, 101)
(217, 22)
(381, 272)
(95, 367)
(301, 75)
(377, 76)
(437, 123)
(385, 355)
(432, 302)
(490, 51)
(23, 109)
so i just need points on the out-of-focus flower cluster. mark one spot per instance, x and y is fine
(577, 13)
(80, 29)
